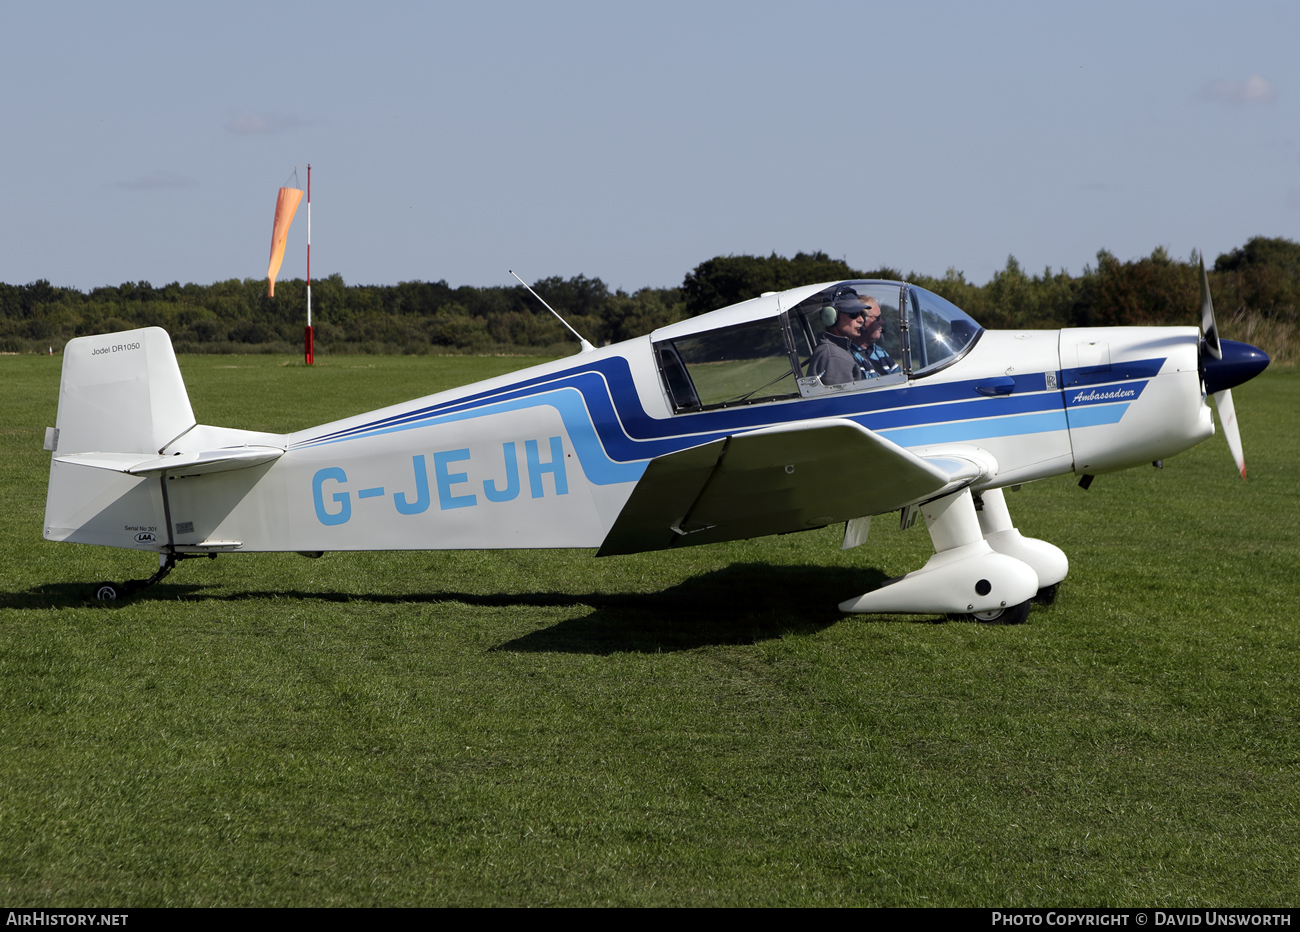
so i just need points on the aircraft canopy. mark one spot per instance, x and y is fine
(774, 354)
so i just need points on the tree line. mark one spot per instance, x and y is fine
(1256, 291)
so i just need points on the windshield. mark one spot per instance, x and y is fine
(940, 331)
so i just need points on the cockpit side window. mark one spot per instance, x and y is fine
(744, 364)
(680, 389)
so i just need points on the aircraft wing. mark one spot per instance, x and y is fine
(774, 481)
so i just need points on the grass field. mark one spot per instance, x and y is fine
(694, 728)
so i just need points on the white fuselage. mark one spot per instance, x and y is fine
(548, 456)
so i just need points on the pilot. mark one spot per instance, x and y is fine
(832, 359)
(870, 355)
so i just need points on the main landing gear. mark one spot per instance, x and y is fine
(111, 591)
(1015, 615)
(982, 567)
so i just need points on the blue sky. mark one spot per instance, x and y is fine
(633, 141)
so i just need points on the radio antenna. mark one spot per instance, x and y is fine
(586, 347)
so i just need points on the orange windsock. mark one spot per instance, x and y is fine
(285, 207)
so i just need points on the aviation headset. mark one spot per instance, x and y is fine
(830, 312)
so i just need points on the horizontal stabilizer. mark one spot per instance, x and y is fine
(771, 481)
(189, 464)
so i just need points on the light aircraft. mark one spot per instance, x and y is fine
(710, 429)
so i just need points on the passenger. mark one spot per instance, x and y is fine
(832, 359)
(870, 355)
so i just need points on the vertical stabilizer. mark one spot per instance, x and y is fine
(121, 393)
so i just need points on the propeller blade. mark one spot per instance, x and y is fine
(1209, 329)
(1228, 418)
(1225, 364)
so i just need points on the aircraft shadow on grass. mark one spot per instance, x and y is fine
(737, 604)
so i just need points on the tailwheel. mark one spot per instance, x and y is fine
(1011, 615)
(111, 591)
(107, 592)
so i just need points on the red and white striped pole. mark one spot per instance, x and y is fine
(309, 350)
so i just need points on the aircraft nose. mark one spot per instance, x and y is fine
(1241, 362)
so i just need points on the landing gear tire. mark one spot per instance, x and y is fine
(107, 592)
(1046, 595)
(1011, 615)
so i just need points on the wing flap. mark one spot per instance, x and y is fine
(651, 518)
(770, 481)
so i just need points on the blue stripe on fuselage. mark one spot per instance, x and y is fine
(604, 409)
(638, 425)
(1116, 372)
(982, 429)
(1095, 415)
(598, 468)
